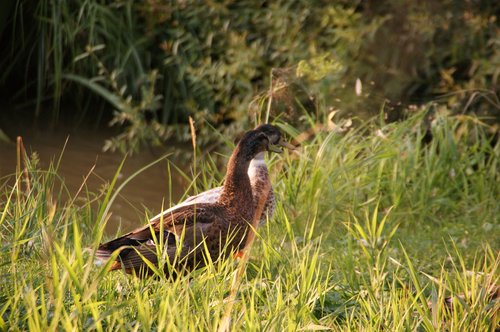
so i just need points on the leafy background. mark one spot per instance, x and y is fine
(146, 66)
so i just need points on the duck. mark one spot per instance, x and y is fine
(191, 232)
(259, 178)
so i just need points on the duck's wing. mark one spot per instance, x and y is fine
(190, 223)
(176, 255)
(207, 197)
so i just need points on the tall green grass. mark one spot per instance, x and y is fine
(374, 230)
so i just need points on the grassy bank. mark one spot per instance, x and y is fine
(375, 227)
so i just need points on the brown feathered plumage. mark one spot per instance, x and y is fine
(189, 232)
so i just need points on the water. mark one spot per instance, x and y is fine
(84, 150)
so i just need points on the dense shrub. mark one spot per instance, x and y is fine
(158, 62)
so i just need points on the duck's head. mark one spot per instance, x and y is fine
(263, 138)
(276, 140)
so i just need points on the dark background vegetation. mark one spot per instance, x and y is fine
(146, 66)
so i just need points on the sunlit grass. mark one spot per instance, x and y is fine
(374, 230)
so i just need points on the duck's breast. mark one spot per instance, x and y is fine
(259, 179)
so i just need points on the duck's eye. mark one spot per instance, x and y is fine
(263, 138)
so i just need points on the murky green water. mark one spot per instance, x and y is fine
(84, 150)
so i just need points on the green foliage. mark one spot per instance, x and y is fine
(375, 229)
(158, 62)
(442, 48)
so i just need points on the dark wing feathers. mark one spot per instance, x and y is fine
(190, 222)
(131, 258)
(173, 223)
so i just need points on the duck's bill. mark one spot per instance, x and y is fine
(278, 148)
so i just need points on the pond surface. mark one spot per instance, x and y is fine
(84, 151)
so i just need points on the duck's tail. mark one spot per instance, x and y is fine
(102, 256)
(139, 239)
(105, 250)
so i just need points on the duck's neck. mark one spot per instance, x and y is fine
(237, 191)
(257, 171)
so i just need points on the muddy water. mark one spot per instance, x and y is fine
(84, 151)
